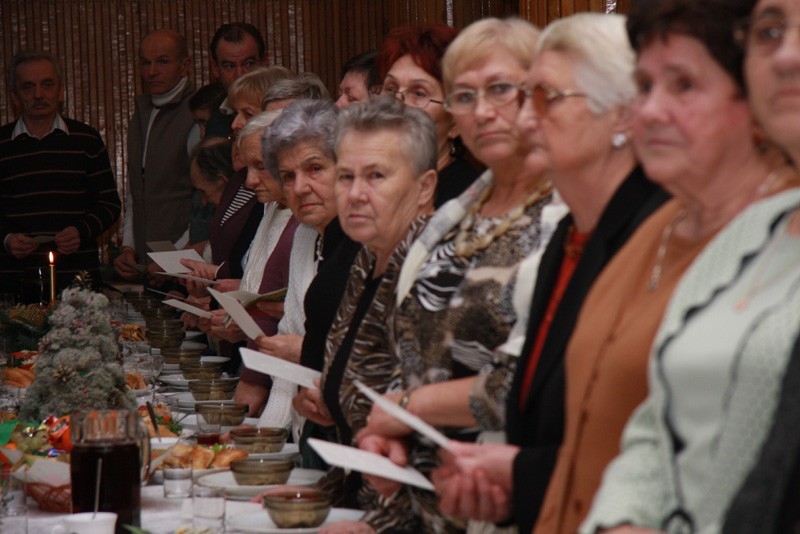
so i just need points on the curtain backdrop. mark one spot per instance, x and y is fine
(97, 40)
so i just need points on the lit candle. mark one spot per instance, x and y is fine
(52, 277)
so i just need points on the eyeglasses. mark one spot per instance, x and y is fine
(544, 97)
(498, 94)
(763, 35)
(412, 97)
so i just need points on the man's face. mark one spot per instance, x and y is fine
(159, 64)
(38, 93)
(235, 59)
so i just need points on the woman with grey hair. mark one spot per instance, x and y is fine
(298, 149)
(284, 92)
(386, 181)
(608, 196)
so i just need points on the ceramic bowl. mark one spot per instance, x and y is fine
(224, 414)
(297, 507)
(211, 390)
(201, 370)
(259, 440)
(261, 472)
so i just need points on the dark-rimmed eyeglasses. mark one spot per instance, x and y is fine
(544, 97)
(412, 97)
(763, 35)
(498, 94)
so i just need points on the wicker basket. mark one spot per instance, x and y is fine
(51, 498)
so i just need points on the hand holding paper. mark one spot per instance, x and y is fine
(238, 314)
(404, 416)
(170, 261)
(270, 365)
(368, 462)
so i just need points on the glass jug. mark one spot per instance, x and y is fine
(111, 447)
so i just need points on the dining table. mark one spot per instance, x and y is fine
(159, 514)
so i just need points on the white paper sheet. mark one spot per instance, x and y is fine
(368, 462)
(270, 365)
(404, 416)
(189, 308)
(170, 261)
(238, 314)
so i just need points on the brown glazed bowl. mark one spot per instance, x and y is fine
(297, 507)
(259, 440)
(212, 390)
(261, 472)
(201, 370)
(225, 414)
(177, 355)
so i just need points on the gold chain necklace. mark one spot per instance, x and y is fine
(468, 243)
(658, 267)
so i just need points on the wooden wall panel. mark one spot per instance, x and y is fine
(98, 40)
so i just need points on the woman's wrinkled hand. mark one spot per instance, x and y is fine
(381, 423)
(309, 404)
(394, 449)
(284, 346)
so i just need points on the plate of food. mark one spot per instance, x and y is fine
(261, 523)
(233, 490)
(181, 455)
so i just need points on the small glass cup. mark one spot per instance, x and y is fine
(177, 482)
(13, 509)
(208, 509)
(208, 431)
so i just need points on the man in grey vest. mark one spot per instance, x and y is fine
(158, 201)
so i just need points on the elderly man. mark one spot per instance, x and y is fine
(236, 48)
(159, 201)
(57, 189)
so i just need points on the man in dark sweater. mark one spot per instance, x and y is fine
(57, 189)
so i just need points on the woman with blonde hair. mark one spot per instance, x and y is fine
(468, 278)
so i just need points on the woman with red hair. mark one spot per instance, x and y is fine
(410, 64)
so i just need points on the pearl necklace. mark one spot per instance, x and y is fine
(468, 241)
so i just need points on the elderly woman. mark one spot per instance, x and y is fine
(608, 197)
(409, 63)
(299, 153)
(386, 180)
(731, 326)
(359, 79)
(767, 501)
(694, 133)
(469, 276)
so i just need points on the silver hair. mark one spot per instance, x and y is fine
(606, 60)
(302, 121)
(257, 124)
(305, 85)
(27, 56)
(381, 113)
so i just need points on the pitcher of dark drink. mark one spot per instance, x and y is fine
(112, 448)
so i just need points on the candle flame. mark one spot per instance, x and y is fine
(52, 257)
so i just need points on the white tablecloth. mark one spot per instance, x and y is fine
(159, 515)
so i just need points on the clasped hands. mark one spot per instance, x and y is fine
(67, 241)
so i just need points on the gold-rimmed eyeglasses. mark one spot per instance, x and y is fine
(412, 97)
(544, 97)
(498, 94)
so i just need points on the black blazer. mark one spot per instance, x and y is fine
(539, 426)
